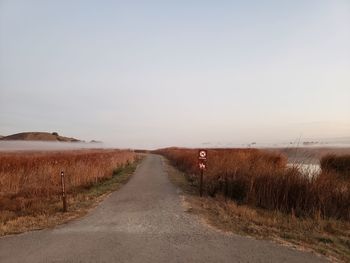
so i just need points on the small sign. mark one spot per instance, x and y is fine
(202, 154)
(202, 165)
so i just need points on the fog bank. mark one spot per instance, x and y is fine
(47, 146)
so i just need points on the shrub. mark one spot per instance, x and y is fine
(260, 178)
(37, 174)
(336, 164)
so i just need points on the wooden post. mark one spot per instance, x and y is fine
(64, 201)
(226, 187)
(201, 184)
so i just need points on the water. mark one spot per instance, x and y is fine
(307, 169)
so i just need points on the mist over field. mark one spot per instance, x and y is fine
(54, 146)
(47, 146)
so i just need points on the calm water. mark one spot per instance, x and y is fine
(308, 169)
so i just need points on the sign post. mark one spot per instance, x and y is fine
(63, 192)
(202, 165)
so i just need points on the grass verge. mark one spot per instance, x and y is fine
(330, 238)
(79, 203)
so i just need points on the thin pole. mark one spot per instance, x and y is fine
(226, 187)
(64, 201)
(201, 184)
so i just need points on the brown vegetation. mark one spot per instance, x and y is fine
(30, 182)
(261, 179)
(326, 236)
(336, 164)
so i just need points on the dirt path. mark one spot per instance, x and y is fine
(142, 222)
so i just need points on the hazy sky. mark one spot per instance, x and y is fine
(161, 73)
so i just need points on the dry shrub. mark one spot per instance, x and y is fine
(340, 165)
(27, 178)
(262, 178)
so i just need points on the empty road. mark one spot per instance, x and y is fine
(142, 222)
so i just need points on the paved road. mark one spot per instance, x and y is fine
(142, 222)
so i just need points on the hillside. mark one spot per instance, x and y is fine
(38, 136)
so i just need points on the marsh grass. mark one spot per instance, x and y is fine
(37, 204)
(337, 164)
(324, 236)
(262, 179)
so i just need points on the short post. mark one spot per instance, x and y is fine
(64, 201)
(226, 187)
(201, 184)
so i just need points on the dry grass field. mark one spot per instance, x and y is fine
(30, 182)
(253, 192)
(262, 179)
(339, 165)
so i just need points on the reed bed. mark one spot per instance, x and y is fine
(28, 179)
(262, 179)
(339, 165)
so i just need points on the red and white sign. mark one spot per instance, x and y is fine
(202, 165)
(202, 158)
(202, 154)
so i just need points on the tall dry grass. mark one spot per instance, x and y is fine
(29, 178)
(261, 178)
(339, 165)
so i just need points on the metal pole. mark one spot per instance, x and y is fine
(201, 184)
(63, 192)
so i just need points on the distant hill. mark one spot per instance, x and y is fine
(38, 136)
(94, 141)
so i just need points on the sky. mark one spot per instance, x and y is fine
(149, 74)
